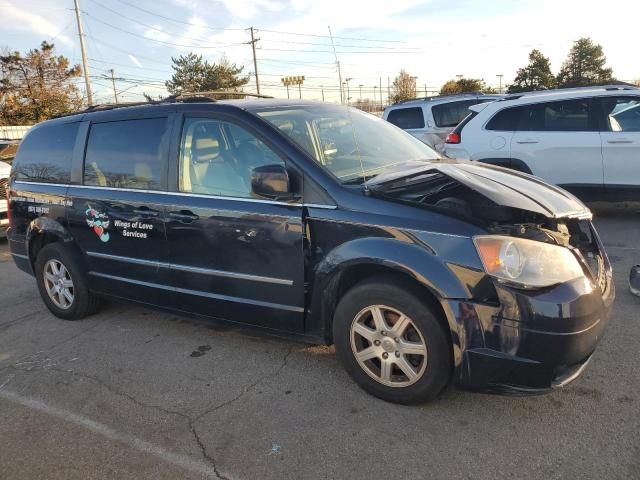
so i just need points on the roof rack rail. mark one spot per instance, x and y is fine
(186, 97)
(436, 97)
(613, 87)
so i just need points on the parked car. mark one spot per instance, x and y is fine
(586, 140)
(5, 170)
(430, 119)
(321, 223)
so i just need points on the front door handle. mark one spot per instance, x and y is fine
(526, 141)
(146, 212)
(620, 140)
(184, 216)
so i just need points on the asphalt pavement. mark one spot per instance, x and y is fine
(136, 393)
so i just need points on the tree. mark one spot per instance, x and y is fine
(584, 66)
(464, 85)
(193, 74)
(36, 86)
(403, 87)
(535, 76)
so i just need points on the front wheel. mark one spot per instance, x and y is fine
(391, 342)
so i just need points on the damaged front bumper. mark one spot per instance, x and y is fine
(532, 341)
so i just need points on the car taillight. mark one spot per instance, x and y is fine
(453, 137)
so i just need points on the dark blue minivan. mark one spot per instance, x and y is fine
(317, 222)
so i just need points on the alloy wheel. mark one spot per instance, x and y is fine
(388, 346)
(58, 284)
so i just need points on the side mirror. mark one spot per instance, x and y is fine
(271, 181)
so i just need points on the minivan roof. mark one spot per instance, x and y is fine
(157, 107)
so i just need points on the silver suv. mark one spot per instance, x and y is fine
(430, 119)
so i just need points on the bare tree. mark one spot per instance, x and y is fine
(403, 88)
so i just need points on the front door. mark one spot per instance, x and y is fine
(560, 142)
(621, 147)
(233, 256)
(117, 215)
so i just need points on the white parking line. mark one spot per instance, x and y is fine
(182, 461)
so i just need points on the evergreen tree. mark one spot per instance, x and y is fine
(535, 76)
(584, 66)
(193, 74)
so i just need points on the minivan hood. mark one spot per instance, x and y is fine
(502, 186)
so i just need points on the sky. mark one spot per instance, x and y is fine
(433, 40)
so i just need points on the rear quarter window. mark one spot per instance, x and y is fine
(45, 154)
(406, 118)
(509, 119)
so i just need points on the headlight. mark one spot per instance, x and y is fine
(527, 262)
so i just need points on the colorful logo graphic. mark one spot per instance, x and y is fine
(99, 222)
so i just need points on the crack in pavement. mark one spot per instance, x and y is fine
(190, 420)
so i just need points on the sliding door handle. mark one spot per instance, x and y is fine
(146, 212)
(620, 140)
(527, 141)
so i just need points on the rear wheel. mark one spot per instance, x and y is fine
(62, 283)
(391, 342)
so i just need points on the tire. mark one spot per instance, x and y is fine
(82, 302)
(423, 332)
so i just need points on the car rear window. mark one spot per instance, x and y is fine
(406, 118)
(45, 154)
(125, 154)
(451, 114)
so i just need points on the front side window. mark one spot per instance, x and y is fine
(347, 142)
(406, 118)
(217, 158)
(126, 154)
(45, 154)
(622, 113)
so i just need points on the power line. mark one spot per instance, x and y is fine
(152, 27)
(149, 12)
(95, 19)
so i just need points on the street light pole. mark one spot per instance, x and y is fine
(500, 79)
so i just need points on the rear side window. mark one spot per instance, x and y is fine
(565, 116)
(452, 113)
(126, 154)
(45, 154)
(406, 118)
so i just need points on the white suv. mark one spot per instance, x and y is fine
(587, 140)
(430, 119)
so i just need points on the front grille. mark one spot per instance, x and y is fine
(4, 183)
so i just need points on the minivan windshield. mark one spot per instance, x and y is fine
(351, 144)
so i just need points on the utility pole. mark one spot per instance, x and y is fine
(85, 65)
(388, 90)
(500, 78)
(360, 86)
(322, 88)
(113, 82)
(255, 61)
(380, 78)
(337, 64)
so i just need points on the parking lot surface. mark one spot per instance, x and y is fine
(136, 393)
